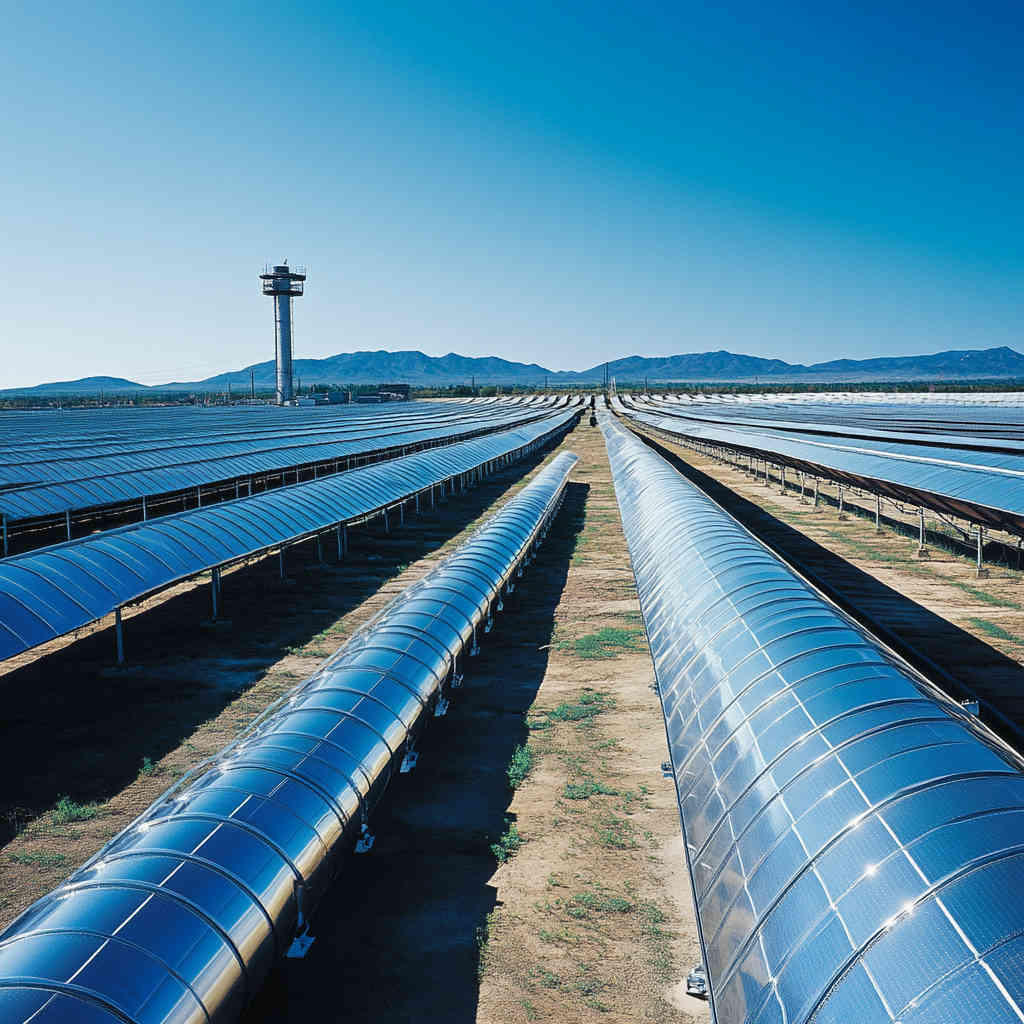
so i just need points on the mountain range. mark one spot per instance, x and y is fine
(423, 370)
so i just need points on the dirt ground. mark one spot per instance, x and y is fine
(965, 633)
(563, 897)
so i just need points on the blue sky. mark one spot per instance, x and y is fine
(798, 180)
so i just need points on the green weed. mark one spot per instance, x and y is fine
(992, 629)
(521, 764)
(586, 789)
(505, 848)
(608, 642)
(39, 859)
(67, 810)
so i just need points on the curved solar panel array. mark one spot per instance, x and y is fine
(855, 839)
(179, 918)
(983, 486)
(52, 591)
(48, 479)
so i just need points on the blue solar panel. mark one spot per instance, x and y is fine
(984, 485)
(851, 833)
(41, 478)
(47, 593)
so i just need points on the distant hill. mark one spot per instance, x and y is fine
(376, 367)
(414, 367)
(84, 386)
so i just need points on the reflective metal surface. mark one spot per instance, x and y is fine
(47, 593)
(50, 464)
(180, 916)
(855, 839)
(956, 474)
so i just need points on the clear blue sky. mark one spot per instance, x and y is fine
(801, 180)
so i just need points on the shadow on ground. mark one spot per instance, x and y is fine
(954, 659)
(75, 725)
(397, 936)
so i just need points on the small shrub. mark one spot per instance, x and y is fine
(505, 848)
(520, 766)
(586, 789)
(67, 810)
(606, 904)
(591, 704)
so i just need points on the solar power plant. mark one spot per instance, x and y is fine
(59, 465)
(970, 465)
(853, 835)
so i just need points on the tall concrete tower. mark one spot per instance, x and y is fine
(283, 283)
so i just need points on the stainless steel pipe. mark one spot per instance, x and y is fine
(178, 919)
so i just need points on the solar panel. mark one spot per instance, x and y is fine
(52, 591)
(850, 832)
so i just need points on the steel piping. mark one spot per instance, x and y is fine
(180, 916)
(851, 833)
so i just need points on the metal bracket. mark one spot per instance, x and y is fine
(409, 761)
(441, 707)
(489, 624)
(300, 944)
(364, 844)
(666, 770)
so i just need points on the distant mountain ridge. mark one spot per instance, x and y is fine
(416, 368)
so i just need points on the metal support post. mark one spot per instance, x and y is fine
(199, 497)
(280, 562)
(878, 513)
(980, 571)
(145, 513)
(119, 635)
(922, 551)
(3, 520)
(341, 545)
(215, 592)
(67, 522)
(842, 511)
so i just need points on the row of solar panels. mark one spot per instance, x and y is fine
(853, 837)
(181, 916)
(155, 439)
(50, 592)
(124, 427)
(981, 487)
(980, 426)
(81, 483)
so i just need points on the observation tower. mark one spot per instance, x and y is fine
(283, 283)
